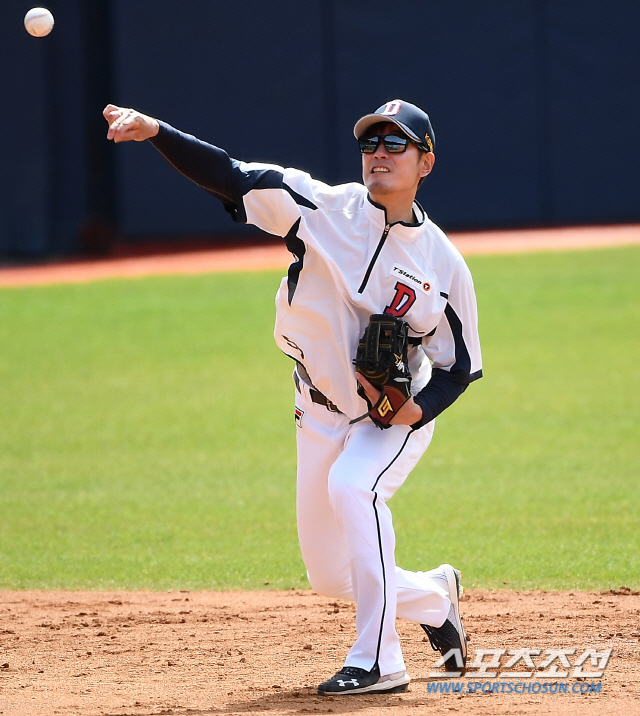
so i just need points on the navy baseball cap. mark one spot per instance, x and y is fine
(411, 119)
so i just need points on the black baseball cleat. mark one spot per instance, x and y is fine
(353, 680)
(450, 637)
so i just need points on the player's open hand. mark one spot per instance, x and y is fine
(126, 125)
(408, 414)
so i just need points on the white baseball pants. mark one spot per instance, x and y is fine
(346, 474)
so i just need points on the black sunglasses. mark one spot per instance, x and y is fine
(393, 144)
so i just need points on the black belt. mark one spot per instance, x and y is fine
(315, 395)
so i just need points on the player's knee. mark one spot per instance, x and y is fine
(329, 585)
(350, 484)
(346, 492)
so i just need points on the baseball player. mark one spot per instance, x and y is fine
(358, 249)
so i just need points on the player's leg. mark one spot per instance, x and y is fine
(422, 596)
(366, 474)
(446, 636)
(429, 598)
(320, 437)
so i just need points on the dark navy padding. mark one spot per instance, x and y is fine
(45, 185)
(547, 90)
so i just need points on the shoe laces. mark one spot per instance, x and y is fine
(444, 637)
(436, 644)
(353, 671)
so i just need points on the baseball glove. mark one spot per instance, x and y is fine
(382, 359)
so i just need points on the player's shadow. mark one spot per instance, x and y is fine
(302, 700)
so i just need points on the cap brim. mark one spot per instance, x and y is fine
(369, 119)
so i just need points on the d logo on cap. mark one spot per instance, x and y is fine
(391, 108)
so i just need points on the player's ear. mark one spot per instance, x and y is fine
(427, 160)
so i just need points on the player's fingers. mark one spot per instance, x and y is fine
(112, 114)
(113, 126)
(115, 129)
(372, 392)
(109, 110)
(118, 130)
(115, 116)
(124, 133)
(126, 127)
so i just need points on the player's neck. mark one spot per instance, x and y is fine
(398, 206)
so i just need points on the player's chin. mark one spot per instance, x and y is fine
(379, 183)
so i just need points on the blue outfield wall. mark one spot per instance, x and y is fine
(534, 104)
(42, 162)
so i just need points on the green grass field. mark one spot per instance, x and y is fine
(147, 435)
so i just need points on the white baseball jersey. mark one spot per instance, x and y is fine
(349, 263)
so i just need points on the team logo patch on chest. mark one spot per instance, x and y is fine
(411, 278)
(299, 414)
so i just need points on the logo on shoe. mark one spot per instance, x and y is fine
(353, 682)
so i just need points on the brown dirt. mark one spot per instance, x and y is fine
(99, 653)
(277, 257)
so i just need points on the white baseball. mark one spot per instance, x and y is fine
(38, 21)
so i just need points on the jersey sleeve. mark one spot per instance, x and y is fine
(454, 346)
(268, 196)
(209, 167)
(272, 198)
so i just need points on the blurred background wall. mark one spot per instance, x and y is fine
(535, 106)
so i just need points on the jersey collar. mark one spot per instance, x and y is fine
(404, 230)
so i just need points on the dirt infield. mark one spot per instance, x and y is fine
(277, 257)
(143, 653)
